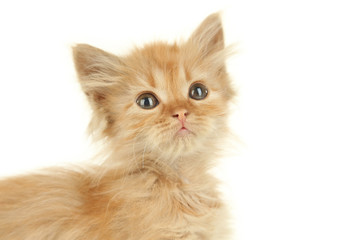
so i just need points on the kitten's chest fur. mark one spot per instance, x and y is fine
(148, 204)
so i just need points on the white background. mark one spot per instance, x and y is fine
(294, 174)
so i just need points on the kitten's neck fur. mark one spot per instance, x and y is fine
(183, 168)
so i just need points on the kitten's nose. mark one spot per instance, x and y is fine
(181, 115)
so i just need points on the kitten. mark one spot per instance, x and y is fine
(161, 112)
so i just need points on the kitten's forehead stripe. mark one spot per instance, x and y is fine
(188, 75)
(168, 73)
(158, 77)
(182, 73)
(151, 80)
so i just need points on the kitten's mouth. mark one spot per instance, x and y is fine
(183, 132)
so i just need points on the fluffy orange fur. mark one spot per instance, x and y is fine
(154, 183)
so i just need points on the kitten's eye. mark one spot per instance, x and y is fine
(147, 101)
(198, 91)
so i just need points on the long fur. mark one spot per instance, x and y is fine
(153, 184)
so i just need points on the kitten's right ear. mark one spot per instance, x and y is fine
(209, 36)
(97, 71)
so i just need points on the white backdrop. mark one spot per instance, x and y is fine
(296, 174)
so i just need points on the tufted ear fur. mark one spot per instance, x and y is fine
(209, 36)
(97, 71)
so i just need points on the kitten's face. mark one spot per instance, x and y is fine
(166, 99)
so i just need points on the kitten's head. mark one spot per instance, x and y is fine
(170, 100)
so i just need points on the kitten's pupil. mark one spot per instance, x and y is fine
(147, 101)
(198, 91)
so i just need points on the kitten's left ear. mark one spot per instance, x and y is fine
(209, 36)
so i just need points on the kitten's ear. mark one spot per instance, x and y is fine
(97, 71)
(209, 35)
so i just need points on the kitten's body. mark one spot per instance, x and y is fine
(135, 204)
(154, 184)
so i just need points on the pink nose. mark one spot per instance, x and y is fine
(181, 115)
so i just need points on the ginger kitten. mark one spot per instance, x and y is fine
(161, 112)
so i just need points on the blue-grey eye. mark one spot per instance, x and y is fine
(147, 101)
(198, 91)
